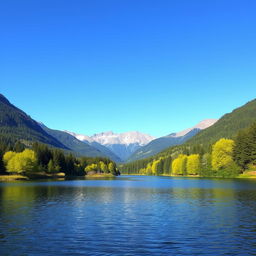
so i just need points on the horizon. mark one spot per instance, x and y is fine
(156, 68)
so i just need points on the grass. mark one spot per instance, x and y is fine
(31, 176)
(100, 175)
(12, 177)
(248, 174)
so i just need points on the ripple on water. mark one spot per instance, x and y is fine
(128, 216)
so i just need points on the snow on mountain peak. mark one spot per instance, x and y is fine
(202, 125)
(107, 138)
(80, 137)
(125, 138)
(206, 123)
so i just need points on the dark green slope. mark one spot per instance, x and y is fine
(17, 125)
(158, 145)
(228, 125)
(77, 146)
(107, 152)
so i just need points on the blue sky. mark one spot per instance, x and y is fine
(152, 66)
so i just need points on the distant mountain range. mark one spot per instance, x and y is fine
(159, 144)
(227, 127)
(121, 144)
(79, 147)
(16, 125)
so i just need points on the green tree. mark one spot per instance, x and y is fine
(50, 166)
(167, 167)
(252, 143)
(70, 165)
(2, 167)
(206, 166)
(18, 147)
(59, 161)
(43, 155)
(242, 149)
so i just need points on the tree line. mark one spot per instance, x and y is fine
(17, 158)
(224, 158)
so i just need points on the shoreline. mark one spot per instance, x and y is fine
(43, 175)
(61, 175)
(246, 175)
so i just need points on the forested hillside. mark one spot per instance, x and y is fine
(79, 147)
(228, 127)
(40, 159)
(17, 125)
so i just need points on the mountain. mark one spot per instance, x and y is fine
(88, 142)
(121, 144)
(228, 125)
(17, 125)
(79, 147)
(158, 145)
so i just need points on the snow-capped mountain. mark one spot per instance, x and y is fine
(125, 138)
(201, 126)
(159, 144)
(121, 144)
(136, 145)
(81, 137)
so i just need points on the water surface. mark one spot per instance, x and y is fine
(130, 215)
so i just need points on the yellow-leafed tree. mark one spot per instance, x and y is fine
(222, 152)
(193, 164)
(20, 162)
(91, 167)
(8, 155)
(179, 165)
(103, 167)
(149, 169)
(156, 167)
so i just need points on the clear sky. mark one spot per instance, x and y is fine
(152, 66)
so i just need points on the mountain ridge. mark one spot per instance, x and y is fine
(77, 146)
(159, 144)
(121, 144)
(228, 125)
(15, 125)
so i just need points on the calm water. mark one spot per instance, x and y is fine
(129, 216)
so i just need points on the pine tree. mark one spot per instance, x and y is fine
(242, 149)
(50, 166)
(18, 147)
(2, 167)
(167, 165)
(252, 143)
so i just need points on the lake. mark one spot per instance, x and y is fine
(130, 215)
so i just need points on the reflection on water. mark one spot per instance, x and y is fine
(129, 216)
